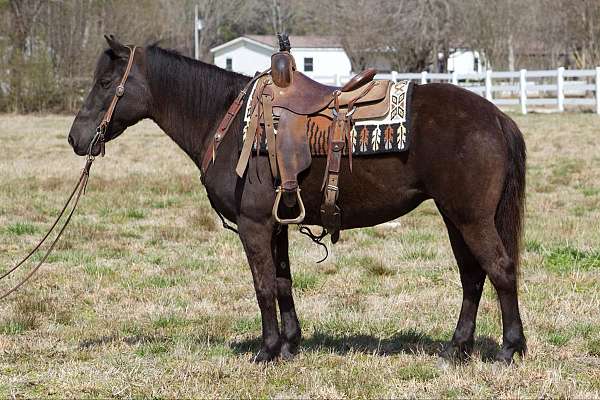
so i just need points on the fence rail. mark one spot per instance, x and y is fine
(548, 89)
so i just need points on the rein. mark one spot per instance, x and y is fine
(79, 190)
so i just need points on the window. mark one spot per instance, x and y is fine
(228, 64)
(476, 64)
(308, 64)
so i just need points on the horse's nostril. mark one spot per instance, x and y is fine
(71, 141)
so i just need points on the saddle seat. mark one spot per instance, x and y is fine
(305, 96)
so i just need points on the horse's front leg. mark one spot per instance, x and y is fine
(258, 241)
(290, 327)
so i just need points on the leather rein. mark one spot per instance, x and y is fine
(79, 190)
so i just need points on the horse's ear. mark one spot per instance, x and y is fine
(119, 49)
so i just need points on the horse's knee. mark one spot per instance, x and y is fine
(266, 295)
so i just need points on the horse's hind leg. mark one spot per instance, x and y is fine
(290, 327)
(257, 239)
(472, 278)
(487, 247)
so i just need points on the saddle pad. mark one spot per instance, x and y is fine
(390, 134)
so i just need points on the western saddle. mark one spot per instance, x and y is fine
(283, 103)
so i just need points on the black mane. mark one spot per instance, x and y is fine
(191, 93)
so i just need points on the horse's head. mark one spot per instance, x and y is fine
(131, 107)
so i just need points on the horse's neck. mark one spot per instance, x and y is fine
(184, 131)
(190, 120)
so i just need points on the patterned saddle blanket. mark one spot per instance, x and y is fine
(389, 134)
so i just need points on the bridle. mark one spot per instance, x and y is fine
(99, 138)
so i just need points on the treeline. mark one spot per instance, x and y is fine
(48, 48)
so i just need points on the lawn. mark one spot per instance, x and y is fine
(147, 296)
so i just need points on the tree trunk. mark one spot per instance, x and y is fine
(511, 53)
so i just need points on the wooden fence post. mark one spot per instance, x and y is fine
(454, 78)
(598, 90)
(523, 87)
(560, 89)
(395, 76)
(488, 84)
(424, 77)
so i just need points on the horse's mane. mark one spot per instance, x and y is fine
(192, 87)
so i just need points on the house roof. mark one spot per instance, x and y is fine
(308, 41)
(271, 42)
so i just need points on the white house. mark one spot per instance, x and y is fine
(465, 61)
(321, 57)
(316, 56)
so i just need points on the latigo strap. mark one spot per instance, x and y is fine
(225, 124)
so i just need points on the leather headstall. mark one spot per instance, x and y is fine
(119, 92)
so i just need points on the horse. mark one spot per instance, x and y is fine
(465, 154)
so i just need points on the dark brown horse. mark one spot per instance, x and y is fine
(465, 154)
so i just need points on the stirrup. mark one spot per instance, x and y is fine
(296, 220)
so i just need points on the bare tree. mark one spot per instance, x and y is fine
(217, 14)
(583, 19)
(49, 47)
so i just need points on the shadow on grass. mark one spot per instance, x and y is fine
(403, 342)
(407, 342)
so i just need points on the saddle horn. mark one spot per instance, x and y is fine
(283, 64)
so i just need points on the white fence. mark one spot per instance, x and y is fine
(548, 89)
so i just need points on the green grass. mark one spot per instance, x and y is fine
(593, 348)
(147, 296)
(247, 325)
(567, 258)
(11, 327)
(376, 267)
(152, 349)
(564, 170)
(304, 281)
(558, 338)
(135, 213)
(159, 282)
(21, 228)
(170, 321)
(590, 191)
(418, 372)
(96, 269)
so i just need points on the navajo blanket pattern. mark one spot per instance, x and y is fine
(390, 134)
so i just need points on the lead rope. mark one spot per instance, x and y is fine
(77, 192)
(81, 184)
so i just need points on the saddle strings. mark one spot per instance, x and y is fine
(318, 239)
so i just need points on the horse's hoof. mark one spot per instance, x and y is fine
(456, 353)
(264, 356)
(288, 351)
(506, 354)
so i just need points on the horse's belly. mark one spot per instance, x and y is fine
(379, 189)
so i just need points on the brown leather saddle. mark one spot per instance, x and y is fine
(283, 103)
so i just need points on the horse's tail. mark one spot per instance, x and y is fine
(509, 214)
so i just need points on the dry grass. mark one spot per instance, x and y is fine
(148, 297)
